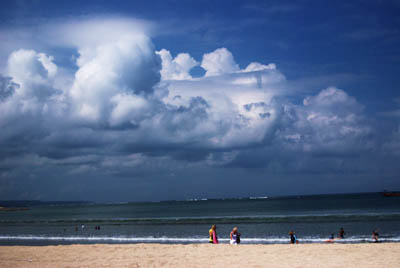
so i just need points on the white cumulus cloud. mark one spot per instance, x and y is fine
(33, 72)
(177, 68)
(219, 62)
(126, 65)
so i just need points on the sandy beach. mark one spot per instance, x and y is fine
(203, 255)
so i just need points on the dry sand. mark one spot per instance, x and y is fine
(203, 255)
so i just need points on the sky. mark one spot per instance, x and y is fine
(172, 100)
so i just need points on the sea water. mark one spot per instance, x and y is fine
(260, 220)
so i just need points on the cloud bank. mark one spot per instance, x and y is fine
(127, 110)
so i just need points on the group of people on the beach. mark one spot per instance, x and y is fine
(375, 235)
(293, 237)
(340, 236)
(235, 236)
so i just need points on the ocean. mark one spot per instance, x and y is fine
(260, 220)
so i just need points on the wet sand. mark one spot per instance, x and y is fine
(203, 255)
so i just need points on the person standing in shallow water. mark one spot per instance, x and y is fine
(213, 234)
(293, 238)
(375, 235)
(341, 233)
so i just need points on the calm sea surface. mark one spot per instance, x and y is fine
(265, 221)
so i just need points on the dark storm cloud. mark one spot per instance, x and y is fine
(7, 87)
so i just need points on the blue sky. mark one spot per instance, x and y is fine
(140, 100)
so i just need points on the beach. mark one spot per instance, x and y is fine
(202, 255)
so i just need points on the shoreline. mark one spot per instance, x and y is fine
(203, 255)
(30, 240)
(119, 241)
(55, 244)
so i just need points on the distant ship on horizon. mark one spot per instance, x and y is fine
(390, 193)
